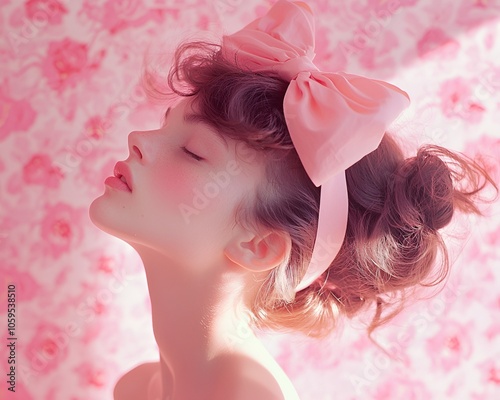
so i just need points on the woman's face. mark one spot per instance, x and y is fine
(186, 182)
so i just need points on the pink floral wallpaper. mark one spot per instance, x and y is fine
(69, 96)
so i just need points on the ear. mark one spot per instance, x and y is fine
(259, 252)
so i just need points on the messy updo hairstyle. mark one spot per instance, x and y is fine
(397, 205)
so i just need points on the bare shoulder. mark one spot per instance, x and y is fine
(239, 377)
(134, 384)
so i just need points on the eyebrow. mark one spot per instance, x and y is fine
(193, 118)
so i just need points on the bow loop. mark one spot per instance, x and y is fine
(280, 41)
(335, 119)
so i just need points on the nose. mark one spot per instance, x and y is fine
(135, 146)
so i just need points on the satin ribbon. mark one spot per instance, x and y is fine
(334, 118)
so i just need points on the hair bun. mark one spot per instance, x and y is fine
(422, 191)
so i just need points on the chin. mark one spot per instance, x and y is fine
(113, 221)
(103, 217)
(96, 216)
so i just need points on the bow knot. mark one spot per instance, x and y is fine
(334, 118)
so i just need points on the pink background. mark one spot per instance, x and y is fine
(69, 98)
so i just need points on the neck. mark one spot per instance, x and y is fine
(196, 317)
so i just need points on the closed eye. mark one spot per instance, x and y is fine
(197, 158)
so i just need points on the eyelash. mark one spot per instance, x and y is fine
(197, 158)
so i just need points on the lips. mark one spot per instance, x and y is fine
(122, 172)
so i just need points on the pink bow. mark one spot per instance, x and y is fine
(334, 118)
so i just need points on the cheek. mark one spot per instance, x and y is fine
(193, 196)
(192, 203)
(174, 186)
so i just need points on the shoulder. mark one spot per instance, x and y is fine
(135, 383)
(239, 377)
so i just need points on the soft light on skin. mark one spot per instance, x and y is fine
(203, 274)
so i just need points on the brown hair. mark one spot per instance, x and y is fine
(397, 205)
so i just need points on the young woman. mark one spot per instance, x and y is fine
(272, 196)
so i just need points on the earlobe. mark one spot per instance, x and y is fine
(260, 253)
